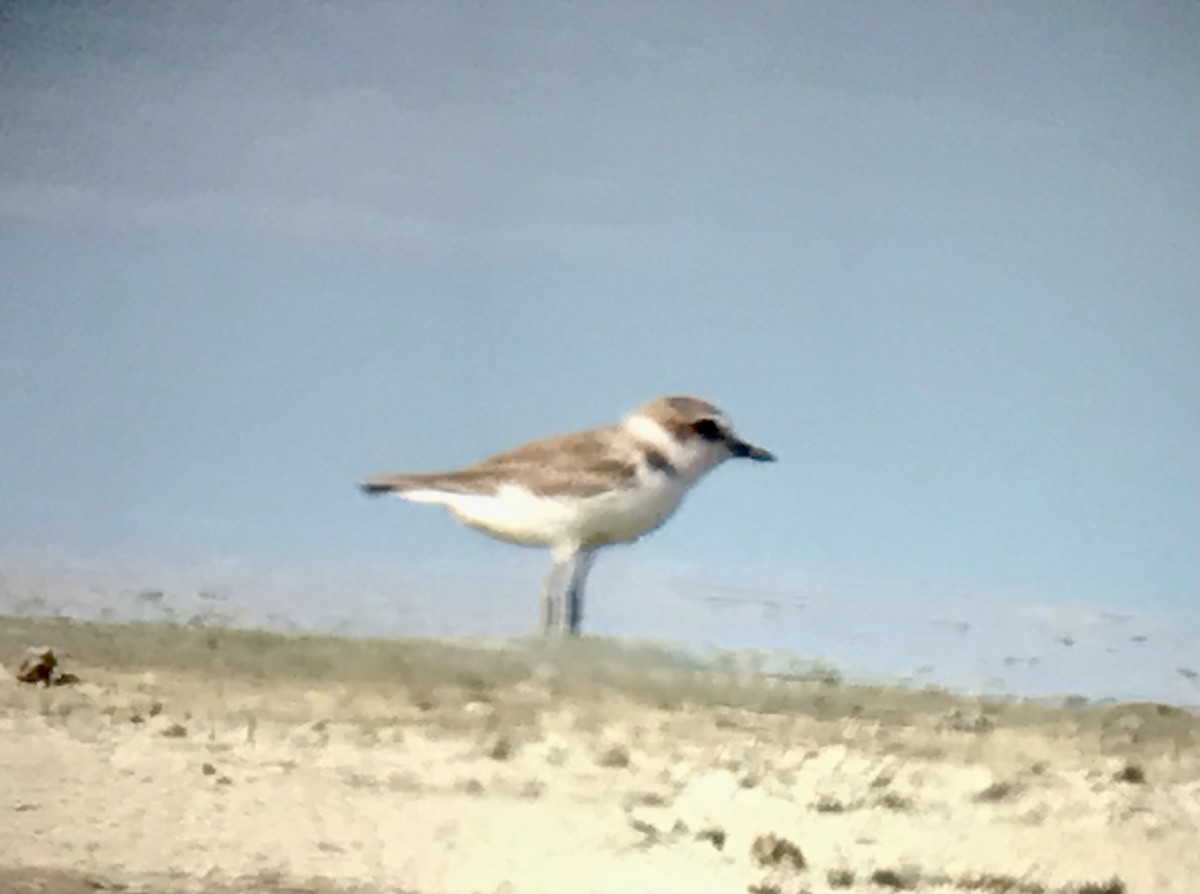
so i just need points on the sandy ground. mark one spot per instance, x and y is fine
(203, 760)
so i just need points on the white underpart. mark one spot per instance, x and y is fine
(568, 523)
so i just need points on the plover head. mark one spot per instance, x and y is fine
(694, 434)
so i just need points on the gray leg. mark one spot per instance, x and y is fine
(574, 592)
(551, 614)
(562, 592)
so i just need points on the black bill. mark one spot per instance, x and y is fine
(749, 451)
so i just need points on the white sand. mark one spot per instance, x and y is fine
(171, 779)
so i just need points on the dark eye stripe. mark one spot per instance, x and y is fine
(708, 429)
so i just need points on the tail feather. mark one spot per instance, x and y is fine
(414, 485)
(377, 485)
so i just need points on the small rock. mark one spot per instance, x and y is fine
(895, 802)
(616, 756)
(500, 748)
(829, 804)
(531, 790)
(208, 769)
(898, 879)
(774, 850)
(1132, 774)
(714, 835)
(750, 779)
(967, 721)
(38, 665)
(472, 787)
(840, 877)
(996, 792)
(644, 799)
(175, 731)
(649, 832)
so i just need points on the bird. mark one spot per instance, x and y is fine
(578, 492)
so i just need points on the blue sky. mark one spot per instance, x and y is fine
(943, 259)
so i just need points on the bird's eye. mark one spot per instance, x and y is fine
(709, 429)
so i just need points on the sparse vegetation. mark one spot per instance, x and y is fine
(1109, 886)
(996, 883)
(440, 676)
(763, 888)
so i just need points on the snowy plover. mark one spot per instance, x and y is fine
(577, 492)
